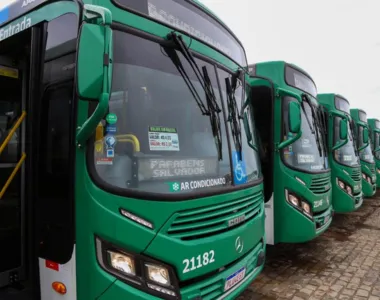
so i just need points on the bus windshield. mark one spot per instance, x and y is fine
(366, 153)
(308, 152)
(156, 137)
(345, 155)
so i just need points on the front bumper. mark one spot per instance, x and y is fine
(209, 288)
(368, 189)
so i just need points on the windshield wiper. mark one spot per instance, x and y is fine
(323, 125)
(352, 129)
(304, 99)
(177, 62)
(214, 114)
(234, 116)
(315, 123)
(213, 108)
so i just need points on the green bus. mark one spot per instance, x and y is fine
(126, 172)
(343, 155)
(361, 130)
(374, 127)
(294, 152)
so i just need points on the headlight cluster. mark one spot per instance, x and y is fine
(137, 270)
(378, 171)
(344, 186)
(298, 203)
(367, 178)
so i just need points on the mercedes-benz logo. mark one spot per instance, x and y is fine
(239, 245)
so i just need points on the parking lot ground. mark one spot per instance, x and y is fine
(342, 263)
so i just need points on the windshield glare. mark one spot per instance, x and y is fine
(155, 138)
(346, 154)
(303, 154)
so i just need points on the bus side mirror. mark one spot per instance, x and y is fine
(94, 66)
(343, 129)
(93, 61)
(365, 135)
(294, 117)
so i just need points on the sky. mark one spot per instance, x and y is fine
(336, 41)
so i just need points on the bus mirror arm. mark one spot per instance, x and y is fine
(92, 122)
(289, 141)
(339, 145)
(363, 147)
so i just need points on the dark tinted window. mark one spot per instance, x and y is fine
(189, 18)
(56, 146)
(300, 81)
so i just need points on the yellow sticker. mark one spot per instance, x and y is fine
(99, 147)
(8, 72)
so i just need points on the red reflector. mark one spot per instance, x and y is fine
(52, 265)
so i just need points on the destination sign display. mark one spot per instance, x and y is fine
(300, 81)
(187, 17)
(165, 168)
(342, 105)
(17, 8)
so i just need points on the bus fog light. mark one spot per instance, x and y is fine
(158, 274)
(122, 262)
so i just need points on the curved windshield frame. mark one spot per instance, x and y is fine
(366, 153)
(376, 144)
(164, 144)
(347, 154)
(303, 154)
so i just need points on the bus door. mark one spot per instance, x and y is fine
(13, 82)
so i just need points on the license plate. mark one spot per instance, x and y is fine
(326, 219)
(234, 279)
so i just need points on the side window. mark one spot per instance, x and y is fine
(56, 142)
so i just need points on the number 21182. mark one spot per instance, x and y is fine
(199, 261)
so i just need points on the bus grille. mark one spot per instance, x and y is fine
(211, 220)
(215, 289)
(320, 185)
(355, 175)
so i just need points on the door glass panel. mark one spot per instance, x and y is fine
(10, 221)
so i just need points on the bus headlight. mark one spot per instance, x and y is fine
(367, 178)
(349, 190)
(306, 208)
(378, 170)
(298, 203)
(293, 200)
(137, 270)
(158, 274)
(122, 262)
(344, 186)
